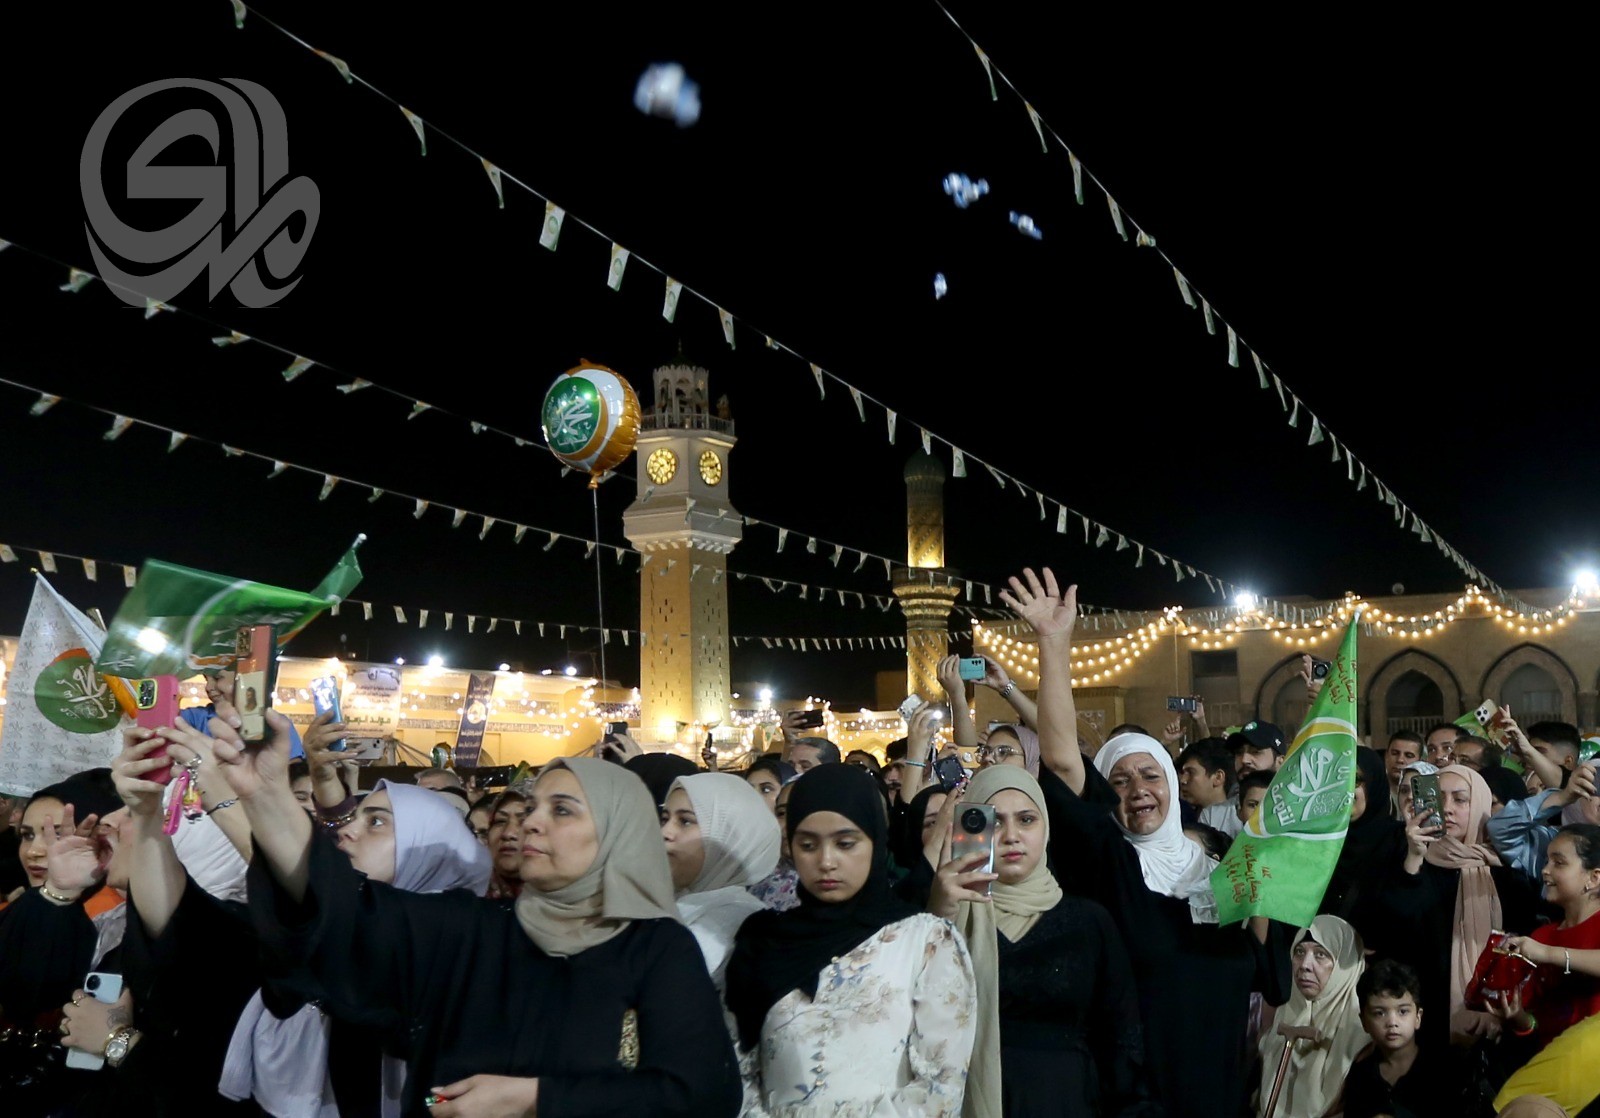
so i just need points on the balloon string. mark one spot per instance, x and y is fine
(599, 592)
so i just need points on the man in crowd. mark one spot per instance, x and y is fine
(1441, 742)
(1257, 747)
(1205, 780)
(1478, 753)
(1405, 747)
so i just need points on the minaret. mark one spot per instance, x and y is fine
(926, 589)
(683, 522)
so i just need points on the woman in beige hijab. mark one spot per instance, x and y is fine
(587, 998)
(1435, 910)
(1058, 1022)
(1327, 962)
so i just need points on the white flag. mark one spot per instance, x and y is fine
(416, 123)
(958, 462)
(62, 717)
(1038, 125)
(619, 261)
(727, 326)
(1205, 309)
(1233, 348)
(669, 307)
(861, 410)
(1077, 177)
(1183, 288)
(1116, 216)
(551, 233)
(816, 371)
(892, 418)
(494, 180)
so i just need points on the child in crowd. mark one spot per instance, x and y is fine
(1252, 790)
(1392, 1076)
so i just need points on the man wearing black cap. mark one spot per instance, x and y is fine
(1257, 747)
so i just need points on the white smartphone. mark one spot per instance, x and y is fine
(101, 987)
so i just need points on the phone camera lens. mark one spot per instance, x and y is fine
(973, 821)
(93, 983)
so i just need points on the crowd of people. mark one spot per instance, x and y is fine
(630, 934)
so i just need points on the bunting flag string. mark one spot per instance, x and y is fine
(675, 289)
(1185, 289)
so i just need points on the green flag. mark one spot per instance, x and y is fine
(1280, 864)
(177, 620)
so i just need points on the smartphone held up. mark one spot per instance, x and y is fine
(255, 678)
(973, 838)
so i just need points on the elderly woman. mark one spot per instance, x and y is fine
(1327, 963)
(1116, 838)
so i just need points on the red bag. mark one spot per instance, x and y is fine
(1499, 975)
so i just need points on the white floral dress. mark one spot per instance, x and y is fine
(888, 1035)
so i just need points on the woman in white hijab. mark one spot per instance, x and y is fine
(721, 838)
(405, 836)
(1327, 962)
(1116, 838)
(1139, 770)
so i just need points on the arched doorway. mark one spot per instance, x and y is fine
(1414, 702)
(1536, 678)
(1442, 703)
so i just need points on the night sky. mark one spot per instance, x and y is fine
(1390, 217)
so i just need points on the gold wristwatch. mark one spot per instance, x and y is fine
(119, 1043)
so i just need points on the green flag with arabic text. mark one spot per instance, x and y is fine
(1280, 864)
(177, 620)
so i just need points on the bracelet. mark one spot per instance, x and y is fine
(1567, 952)
(1533, 1024)
(1005, 692)
(53, 897)
(218, 807)
(915, 764)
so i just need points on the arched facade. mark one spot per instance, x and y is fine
(1377, 691)
(1542, 658)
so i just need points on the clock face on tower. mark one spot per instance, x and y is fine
(661, 465)
(710, 467)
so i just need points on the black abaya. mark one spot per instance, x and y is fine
(1194, 980)
(470, 994)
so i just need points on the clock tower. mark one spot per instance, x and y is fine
(684, 524)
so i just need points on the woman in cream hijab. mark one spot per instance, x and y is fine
(1051, 1039)
(1327, 963)
(588, 997)
(721, 838)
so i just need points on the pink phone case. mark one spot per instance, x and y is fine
(156, 700)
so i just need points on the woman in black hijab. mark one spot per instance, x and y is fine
(1375, 842)
(853, 1000)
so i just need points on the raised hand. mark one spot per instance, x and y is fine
(132, 768)
(72, 856)
(254, 770)
(949, 672)
(957, 881)
(994, 675)
(1042, 605)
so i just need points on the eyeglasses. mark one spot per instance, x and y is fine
(1000, 753)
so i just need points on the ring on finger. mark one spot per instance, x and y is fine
(79, 999)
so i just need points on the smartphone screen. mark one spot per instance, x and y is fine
(1425, 798)
(1181, 703)
(325, 697)
(972, 667)
(974, 838)
(256, 669)
(616, 727)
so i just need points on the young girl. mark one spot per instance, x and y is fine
(852, 1002)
